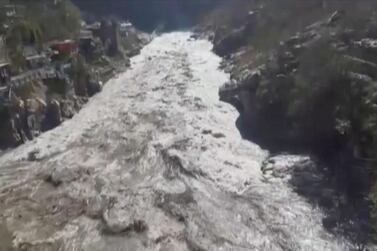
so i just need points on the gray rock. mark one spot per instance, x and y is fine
(367, 43)
(115, 223)
(53, 116)
(370, 66)
(218, 135)
(95, 206)
(231, 42)
(330, 222)
(67, 109)
(94, 86)
(327, 198)
(63, 175)
(336, 16)
(33, 155)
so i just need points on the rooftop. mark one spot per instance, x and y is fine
(3, 64)
(93, 26)
(86, 34)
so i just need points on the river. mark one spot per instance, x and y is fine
(154, 162)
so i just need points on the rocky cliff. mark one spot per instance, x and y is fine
(305, 81)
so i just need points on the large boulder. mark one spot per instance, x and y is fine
(94, 86)
(229, 43)
(68, 108)
(53, 116)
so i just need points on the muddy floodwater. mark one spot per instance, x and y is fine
(154, 162)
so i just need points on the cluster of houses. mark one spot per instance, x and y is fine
(86, 45)
(39, 63)
(50, 67)
(22, 115)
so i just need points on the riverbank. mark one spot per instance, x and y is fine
(49, 73)
(154, 162)
(307, 88)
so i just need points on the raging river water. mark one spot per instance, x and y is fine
(154, 162)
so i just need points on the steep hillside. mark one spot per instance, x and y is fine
(148, 15)
(56, 19)
(304, 80)
(51, 62)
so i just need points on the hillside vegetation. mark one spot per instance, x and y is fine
(150, 15)
(55, 19)
(52, 61)
(305, 75)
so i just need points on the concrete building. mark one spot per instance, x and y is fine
(12, 11)
(5, 70)
(34, 59)
(5, 73)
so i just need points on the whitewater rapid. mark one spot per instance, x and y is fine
(154, 162)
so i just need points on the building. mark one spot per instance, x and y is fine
(12, 11)
(86, 34)
(5, 67)
(3, 50)
(95, 28)
(87, 44)
(125, 28)
(5, 73)
(64, 48)
(34, 59)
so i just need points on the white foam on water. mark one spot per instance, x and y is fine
(158, 146)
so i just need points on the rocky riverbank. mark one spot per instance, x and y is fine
(308, 90)
(154, 162)
(52, 79)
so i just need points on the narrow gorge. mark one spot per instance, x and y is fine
(154, 162)
(162, 159)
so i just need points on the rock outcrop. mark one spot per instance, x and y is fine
(40, 98)
(261, 94)
(226, 43)
(313, 91)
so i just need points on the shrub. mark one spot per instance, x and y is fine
(56, 21)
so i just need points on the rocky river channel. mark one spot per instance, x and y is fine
(155, 162)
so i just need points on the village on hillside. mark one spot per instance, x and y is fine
(45, 79)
